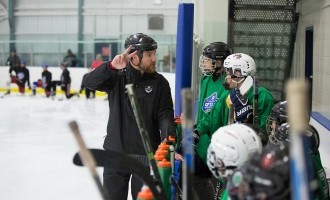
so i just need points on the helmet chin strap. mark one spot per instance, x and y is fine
(137, 65)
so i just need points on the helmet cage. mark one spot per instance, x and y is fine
(212, 55)
(207, 65)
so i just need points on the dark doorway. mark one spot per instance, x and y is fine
(309, 63)
(108, 49)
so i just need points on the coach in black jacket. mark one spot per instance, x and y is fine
(136, 65)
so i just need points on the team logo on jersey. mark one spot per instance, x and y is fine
(148, 89)
(209, 102)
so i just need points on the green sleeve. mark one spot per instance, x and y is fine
(265, 105)
(320, 176)
(224, 195)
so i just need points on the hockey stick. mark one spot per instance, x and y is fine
(296, 92)
(119, 161)
(145, 138)
(176, 186)
(87, 158)
(246, 85)
(255, 101)
(187, 125)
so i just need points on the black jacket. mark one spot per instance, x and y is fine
(154, 95)
(65, 77)
(46, 77)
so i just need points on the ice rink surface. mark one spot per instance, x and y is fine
(37, 147)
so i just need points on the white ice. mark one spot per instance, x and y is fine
(37, 147)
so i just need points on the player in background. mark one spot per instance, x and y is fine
(89, 93)
(21, 77)
(45, 81)
(231, 146)
(13, 60)
(97, 62)
(65, 83)
(278, 129)
(211, 65)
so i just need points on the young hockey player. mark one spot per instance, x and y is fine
(65, 83)
(45, 81)
(89, 93)
(211, 65)
(231, 146)
(265, 176)
(21, 77)
(278, 128)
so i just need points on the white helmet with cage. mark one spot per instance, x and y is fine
(230, 147)
(240, 62)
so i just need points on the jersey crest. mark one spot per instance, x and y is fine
(148, 89)
(209, 102)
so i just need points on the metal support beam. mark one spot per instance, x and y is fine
(80, 34)
(11, 22)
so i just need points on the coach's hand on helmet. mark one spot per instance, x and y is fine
(120, 61)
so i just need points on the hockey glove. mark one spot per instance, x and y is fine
(243, 111)
(195, 136)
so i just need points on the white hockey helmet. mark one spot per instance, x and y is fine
(240, 62)
(230, 147)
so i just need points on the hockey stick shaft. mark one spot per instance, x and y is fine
(187, 125)
(144, 135)
(296, 92)
(255, 101)
(87, 158)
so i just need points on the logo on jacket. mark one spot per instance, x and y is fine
(148, 89)
(209, 102)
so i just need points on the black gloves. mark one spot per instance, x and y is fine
(195, 135)
(242, 109)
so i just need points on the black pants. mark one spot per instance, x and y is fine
(117, 182)
(63, 88)
(89, 93)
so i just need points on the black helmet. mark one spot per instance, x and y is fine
(140, 42)
(217, 51)
(314, 136)
(267, 174)
(278, 116)
(281, 136)
(214, 51)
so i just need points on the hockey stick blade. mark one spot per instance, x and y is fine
(246, 85)
(119, 161)
(296, 92)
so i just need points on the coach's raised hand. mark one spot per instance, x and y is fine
(120, 61)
